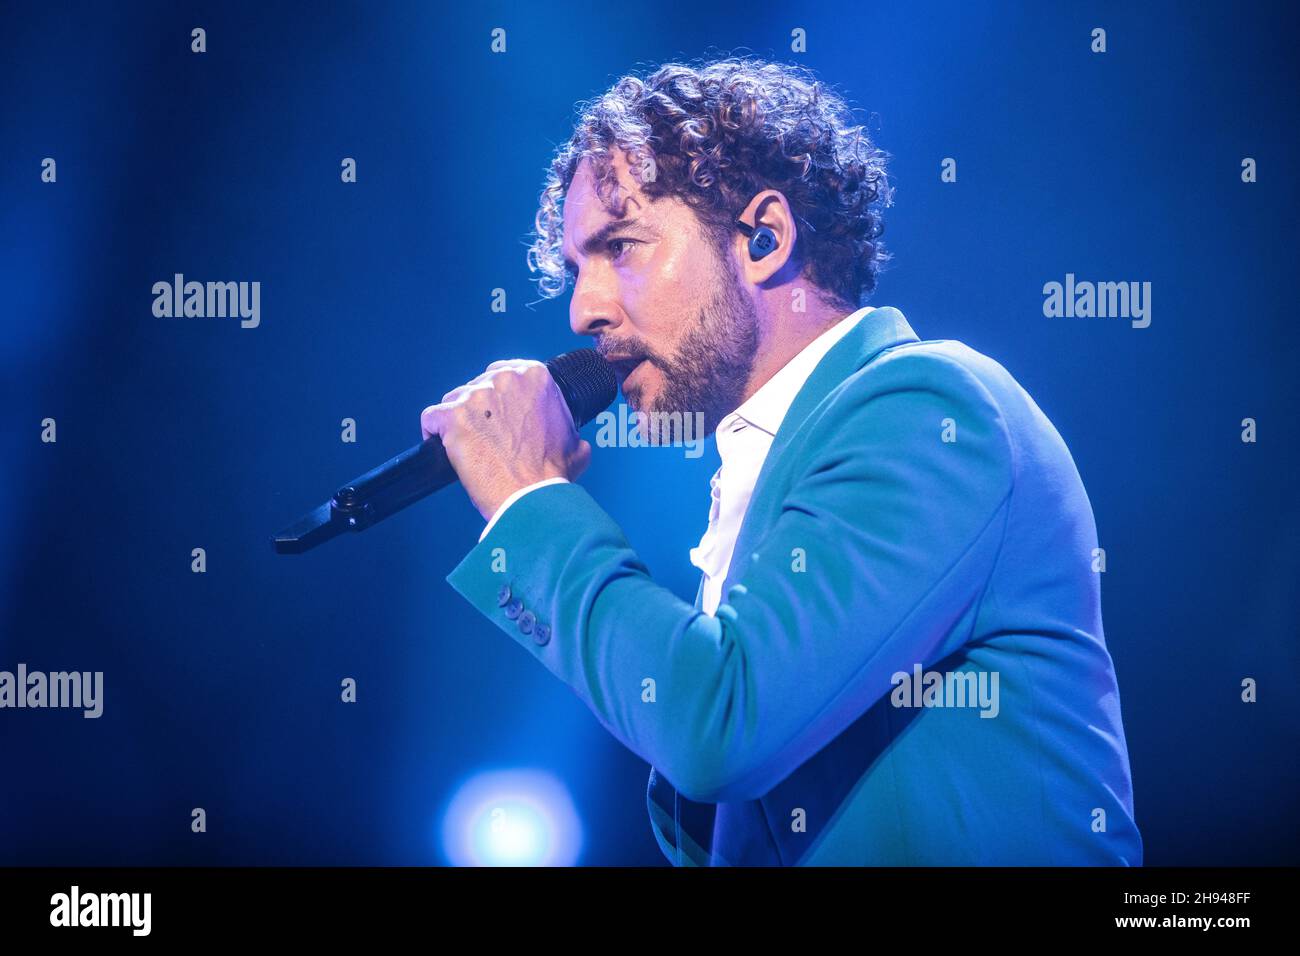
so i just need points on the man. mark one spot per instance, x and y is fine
(896, 655)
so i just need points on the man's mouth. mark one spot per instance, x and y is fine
(625, 366)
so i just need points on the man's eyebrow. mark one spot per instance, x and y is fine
(597, 239)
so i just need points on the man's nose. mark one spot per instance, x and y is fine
(593, 310)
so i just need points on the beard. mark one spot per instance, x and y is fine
(711, 367)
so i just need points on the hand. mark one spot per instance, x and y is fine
(505, 430)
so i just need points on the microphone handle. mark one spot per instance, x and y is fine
(419, 471)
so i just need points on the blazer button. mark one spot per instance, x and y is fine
(541, 634)
(503, 595)
(526, 622)
(514, 609)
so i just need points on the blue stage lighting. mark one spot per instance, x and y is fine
(512, 818)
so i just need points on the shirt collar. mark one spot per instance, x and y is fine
(766, 409)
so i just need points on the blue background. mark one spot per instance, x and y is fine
(222, 689)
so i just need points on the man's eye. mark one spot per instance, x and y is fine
(618, 246)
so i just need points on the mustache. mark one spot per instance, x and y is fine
(631, 348)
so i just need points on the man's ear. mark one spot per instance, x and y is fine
(768, 208)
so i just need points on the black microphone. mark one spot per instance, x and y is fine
(588, 385)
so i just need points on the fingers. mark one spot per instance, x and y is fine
(456, 392)
(495, 380)
(520, 366)
(464, 391)
(431, 420)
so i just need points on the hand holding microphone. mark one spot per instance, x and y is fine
(505, 430)
(512, 426)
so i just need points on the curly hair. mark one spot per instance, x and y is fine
(714, 135)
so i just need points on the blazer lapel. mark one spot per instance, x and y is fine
(878, 330)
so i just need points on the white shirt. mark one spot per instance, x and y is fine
(744, 439)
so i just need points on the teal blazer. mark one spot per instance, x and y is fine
(917, 517)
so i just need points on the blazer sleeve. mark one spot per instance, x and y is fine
(877, 560)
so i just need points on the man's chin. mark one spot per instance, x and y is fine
(656, 425)
(640, 399)
(647, 404)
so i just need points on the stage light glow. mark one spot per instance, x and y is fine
(512, 818)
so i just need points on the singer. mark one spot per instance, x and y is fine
(896, 654)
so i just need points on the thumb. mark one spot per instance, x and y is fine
(581, 458)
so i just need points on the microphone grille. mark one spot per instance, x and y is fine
(586, 381)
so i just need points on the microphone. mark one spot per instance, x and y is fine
(588, 385)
